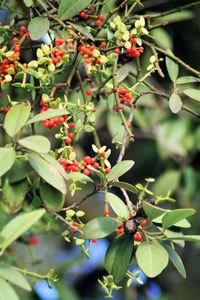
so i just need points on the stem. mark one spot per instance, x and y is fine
(36, 275)
(123, 119)
(173, 57)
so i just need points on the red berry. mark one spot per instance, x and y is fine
(98, 23)
(117, 51)
(94, 110)
(107, 170)
(86, 172)
(71, 135)
(71, 125)
(106, 212)
(42, 103)
(82, 14)
(75, 224)
(96, 165)
(5, 110)
(103, 44)
(15, 40)
(33, 240)
(101, 17)
(102, 154)
(133, 41)
(73, 230)
(68, 141)
(93, 241)
(143, 222)
(88, 92)
(22, 28)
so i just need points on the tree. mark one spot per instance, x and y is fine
(68, 69)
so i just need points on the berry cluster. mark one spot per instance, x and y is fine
(58, 53)
(23, 32)
(53, 122)
(70, 166)
(137, 236)
(90, 54)
(99, 21)
(89, 161)
(124, 97)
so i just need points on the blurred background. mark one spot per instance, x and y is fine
(167, 147)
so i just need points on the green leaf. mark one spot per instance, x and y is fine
(122, 259)
(152, 258)
(176, 260)
(19, 170)
(70, 8)
(152, 211)
(123, 72)
(126, 186)
(18, 226)
(7, 159)
(52, 198)
(82, 30)
(28, 3)
(118, 257)
(14, 194)
(162, 38)
(192, 93)
(47, 115)
(182, 224)
(118, 205)
(170, 234)
(16, 118)
(79, 177)
(189, 238)
(187, 79)
(175, 216)
(119, 169)
(38, 27)
(99, 228)
(175, 103)
(172, 68)
(14, 277)
(111, 253)
(37, 143)
(52, 161)
(47, 171)
(6, 291)
(168, 181)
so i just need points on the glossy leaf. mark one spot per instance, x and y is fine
(120, 169)
(99, 228)
(6, 291)
(71, 8)
(19, 170)
(37, 143)
(152, 258)
(38, 27)
(122, 259)
(14, 194)
(175, 103)
(47, 115)
(126, 186)
(14, 277)
(52, 198)
(7, 159)
(192, 93)
(172, 69)
(79, 177)
(182, 224)
(18, 226)
(176, 260)
(168, 181)
(152, 211)
(111, 253)
(118, 205)
(16, 118)
(187, 79)
(175, 216)
(47, 171)
(52, 161)
(189, 238)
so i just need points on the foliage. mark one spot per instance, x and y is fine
(90, 65)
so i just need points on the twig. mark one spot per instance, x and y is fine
(123, 119)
